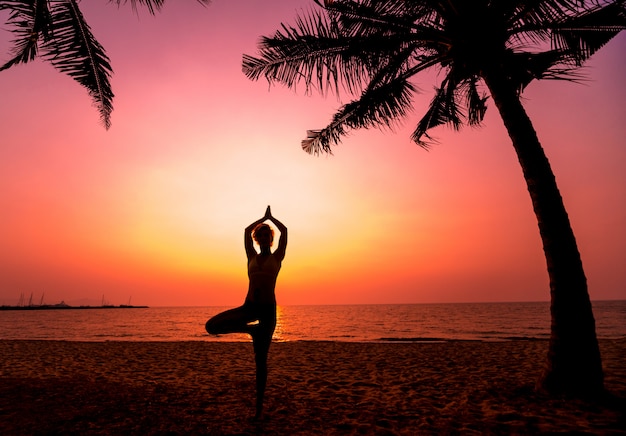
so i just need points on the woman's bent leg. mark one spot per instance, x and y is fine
(231, 321)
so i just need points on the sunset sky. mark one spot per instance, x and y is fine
(153, 210)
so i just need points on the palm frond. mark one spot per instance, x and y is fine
(72, 49)
(538, 13)
(443, 109)
(313, 52)
(530, 21)
(585, 33)
(393, 66)
(373, 16)
(389, 21)
(31, 21)
(380, 106)
(550, 64)
(476, 103)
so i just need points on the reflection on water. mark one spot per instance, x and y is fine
(361, 323)
(282, 326)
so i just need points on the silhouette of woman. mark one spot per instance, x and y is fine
(257, 316)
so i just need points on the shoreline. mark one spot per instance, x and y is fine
(202, 387)
(246, 339)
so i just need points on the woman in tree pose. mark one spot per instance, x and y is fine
(257, 316)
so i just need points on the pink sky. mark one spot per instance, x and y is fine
(154, 209)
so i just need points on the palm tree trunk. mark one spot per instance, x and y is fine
(574, 364)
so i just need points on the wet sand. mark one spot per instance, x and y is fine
(150, 388)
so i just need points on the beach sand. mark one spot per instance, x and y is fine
(191, 388)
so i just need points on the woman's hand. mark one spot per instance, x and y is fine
(268, 213)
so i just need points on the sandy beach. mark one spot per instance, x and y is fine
(149, 388)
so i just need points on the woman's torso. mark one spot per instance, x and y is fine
(262, 272)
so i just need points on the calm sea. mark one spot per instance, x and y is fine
(355, 323)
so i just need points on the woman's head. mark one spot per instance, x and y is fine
(263, 234)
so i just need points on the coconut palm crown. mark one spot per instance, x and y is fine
(483, 49)
(56, 31)
(377, 47)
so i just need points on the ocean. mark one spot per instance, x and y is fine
(350, 323)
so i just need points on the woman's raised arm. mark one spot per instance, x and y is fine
(282, 241)
(247, 237)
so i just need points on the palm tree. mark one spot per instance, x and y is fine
(483, 47)
(56, 31)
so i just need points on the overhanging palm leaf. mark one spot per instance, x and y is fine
(378, 105)
(375, 17)
(57, 31)
(476, 104)
(31, 20)
(443, 109)
(293, 56)
(73, 50)
(587, 32)
(550, 64)
(447, 108)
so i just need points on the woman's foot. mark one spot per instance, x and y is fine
(258, 416)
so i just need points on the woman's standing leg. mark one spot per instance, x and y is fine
(261, 340)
